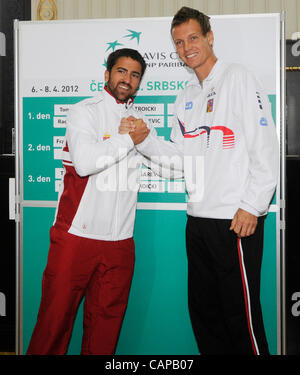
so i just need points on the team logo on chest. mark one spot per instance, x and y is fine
(106, 136)
(210, 101)
(188, 105)
(210, 105)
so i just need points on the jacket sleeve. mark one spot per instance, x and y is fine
(89, 154)
(165, 157)
(262, 146)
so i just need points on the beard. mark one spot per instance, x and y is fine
(119, 93)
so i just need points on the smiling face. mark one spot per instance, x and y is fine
(124, 78)
(194, 48)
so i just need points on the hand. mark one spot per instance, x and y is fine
(243, 223)
(140, 131)
(127, 125)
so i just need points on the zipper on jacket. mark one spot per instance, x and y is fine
(115, 229)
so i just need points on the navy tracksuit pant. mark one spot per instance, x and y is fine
(224, 287)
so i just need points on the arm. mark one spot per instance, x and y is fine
(163, 157)
(89, 154)
(263, 151)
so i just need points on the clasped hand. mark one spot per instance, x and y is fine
(136, 128)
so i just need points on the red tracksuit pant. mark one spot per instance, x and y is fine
(77, 267)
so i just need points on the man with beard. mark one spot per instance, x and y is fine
(91, 251)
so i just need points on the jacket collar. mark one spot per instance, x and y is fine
(127, 104)
(218, 68)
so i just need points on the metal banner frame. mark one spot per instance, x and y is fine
(279, 207)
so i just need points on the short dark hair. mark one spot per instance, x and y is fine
(125, 52)
(185, 14)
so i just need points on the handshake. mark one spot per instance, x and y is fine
(136, 128)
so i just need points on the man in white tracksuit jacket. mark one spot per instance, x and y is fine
(225, 140)
(91, 241)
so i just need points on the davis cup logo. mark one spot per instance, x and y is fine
(131, 39)
(128, 39)
(160, 57)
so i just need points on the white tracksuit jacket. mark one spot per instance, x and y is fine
(102, 170)
(224, 132)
